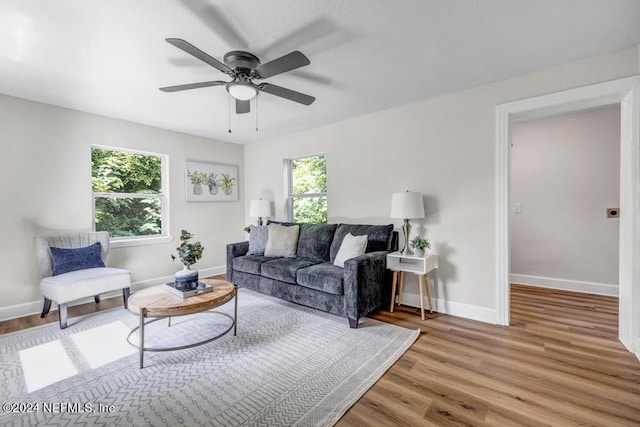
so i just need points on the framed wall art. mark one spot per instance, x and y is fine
(208, 182)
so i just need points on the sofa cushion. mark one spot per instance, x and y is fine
(285, 269)
(378, 237)
(324, 277)
(74, 285)
(258, 239)
(282, 241)
(250, 263)
(315, 240)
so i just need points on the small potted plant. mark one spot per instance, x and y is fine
(189, 254)
(226, 183)
(212, 182)
(197, 179)
(418, 244)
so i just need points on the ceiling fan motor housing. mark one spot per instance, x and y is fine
(241, 59)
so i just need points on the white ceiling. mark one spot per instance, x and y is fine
(109, 57)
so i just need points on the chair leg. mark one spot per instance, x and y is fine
(353, 323)
(62, 315)
(45, 308)
(125, 296)
(96, 298)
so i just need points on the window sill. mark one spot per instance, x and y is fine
(140, 241)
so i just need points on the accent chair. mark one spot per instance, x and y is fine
(72, 267)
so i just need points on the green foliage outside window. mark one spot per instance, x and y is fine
(118, 174)
(310, 210)
(309, 177)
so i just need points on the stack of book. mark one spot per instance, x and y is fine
(188, 290)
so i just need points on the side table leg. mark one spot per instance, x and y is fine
(421, 296)
(393, 290)
(426, 280)
(143, 312)
(400, 289)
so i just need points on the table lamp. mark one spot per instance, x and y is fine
(260, 209)
(407, 205)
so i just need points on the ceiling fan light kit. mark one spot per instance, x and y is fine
(244, 67)
(243, 91)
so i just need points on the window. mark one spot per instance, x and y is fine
(308, 189)
(128, 197)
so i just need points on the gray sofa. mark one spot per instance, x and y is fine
(311, 279)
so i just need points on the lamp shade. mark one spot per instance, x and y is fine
(260, 208)
(407, 205)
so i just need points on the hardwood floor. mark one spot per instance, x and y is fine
(559, 364)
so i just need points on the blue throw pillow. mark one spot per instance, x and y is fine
(67, 259)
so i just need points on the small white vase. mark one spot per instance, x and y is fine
(418, 252)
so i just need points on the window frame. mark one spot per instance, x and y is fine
(290, 196)
(163, 196)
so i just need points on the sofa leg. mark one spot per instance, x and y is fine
(96, 298)
(125, 296)
(45, 308)
(62, 315)
(353, 323)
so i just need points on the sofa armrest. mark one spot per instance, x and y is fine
(366, 280)
(235, 250)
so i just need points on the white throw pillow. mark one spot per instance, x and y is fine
(282, 240)
(351, 247)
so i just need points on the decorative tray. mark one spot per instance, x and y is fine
(189, 290)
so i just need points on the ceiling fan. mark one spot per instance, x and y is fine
(244, 67)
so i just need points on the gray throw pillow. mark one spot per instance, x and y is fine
(282, 241)
(258, 239)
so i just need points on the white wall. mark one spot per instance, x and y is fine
(442, 147)
(565, 173)
(45, 183)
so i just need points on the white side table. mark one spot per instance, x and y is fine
(418, 265)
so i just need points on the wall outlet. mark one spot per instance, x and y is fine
(613, 212)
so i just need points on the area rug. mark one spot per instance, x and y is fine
(288, 365)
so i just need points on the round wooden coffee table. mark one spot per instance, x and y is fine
(159, 303)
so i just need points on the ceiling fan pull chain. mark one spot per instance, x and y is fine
(256, 113)
(229, 113)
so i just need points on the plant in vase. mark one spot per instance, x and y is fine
(189, 254)
(418, 244)
(197, 179)
(212, 182)
(227, 183)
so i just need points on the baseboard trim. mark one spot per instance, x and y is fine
(468, 311)
(565, 285)
(35, 307)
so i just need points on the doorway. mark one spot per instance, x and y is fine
(565, 175)
(626, 92)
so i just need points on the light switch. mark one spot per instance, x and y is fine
(517, 208)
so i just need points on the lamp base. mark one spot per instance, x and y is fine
(406, 230)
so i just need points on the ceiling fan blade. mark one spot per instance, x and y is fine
(192, 50)
(191, 86)
(288, 62)
(242, 106)
(289, 94)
